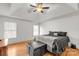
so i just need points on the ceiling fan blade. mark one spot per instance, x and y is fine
(42, 12)
(45, 7)
(34, 11)
(39, 4)
(32, 6)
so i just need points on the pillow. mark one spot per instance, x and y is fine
(56, 33)
(53, 33)
(62, 34)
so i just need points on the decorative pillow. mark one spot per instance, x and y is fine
(62, 34)
(53, 33)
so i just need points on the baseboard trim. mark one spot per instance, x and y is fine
(19, 42)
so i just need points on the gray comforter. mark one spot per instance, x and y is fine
(54, 44)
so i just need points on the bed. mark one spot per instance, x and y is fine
(56, 41)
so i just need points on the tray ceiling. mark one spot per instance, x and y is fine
(24, 11)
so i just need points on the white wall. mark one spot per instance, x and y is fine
(24, 29)
(1, 29)
(69, 24)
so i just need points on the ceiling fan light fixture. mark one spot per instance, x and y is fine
(39, 9)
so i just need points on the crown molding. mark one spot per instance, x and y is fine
(16, 18)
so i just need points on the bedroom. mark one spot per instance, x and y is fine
(21, 23)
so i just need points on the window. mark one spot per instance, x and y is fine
(9, 30)
(35, 30)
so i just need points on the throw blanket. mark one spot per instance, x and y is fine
(59, 45)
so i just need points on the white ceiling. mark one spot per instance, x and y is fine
(25, 12)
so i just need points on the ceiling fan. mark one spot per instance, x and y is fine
(39, 7)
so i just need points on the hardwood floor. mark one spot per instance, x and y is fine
(21, 49)
(70, 52)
